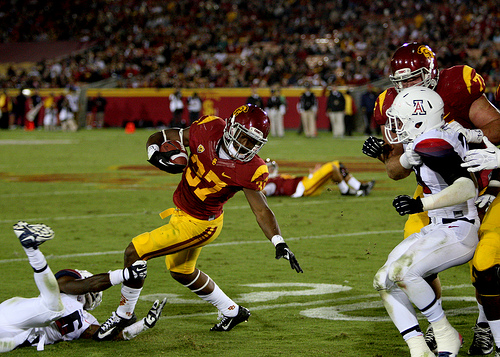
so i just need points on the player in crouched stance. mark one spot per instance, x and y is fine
(60, 312)
(416, 120)
(223, 160)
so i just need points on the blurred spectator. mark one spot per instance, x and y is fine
(367, 106)
(90, 116)
(68, 109)
(335, 109)
(255, 99)
(6, 109)
(35, 105)
(176, 109)
(100, 107)
(308, 108)
(195, 105)
(275, 110)
(350, 113)
(50, 113)
(19, 109)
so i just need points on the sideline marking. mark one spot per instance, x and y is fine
(36, 142)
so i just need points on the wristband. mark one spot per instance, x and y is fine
(152, 149)
(277, 239)
(403, 160)
(116, 276)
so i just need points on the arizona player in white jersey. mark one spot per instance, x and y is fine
(60, 313)
(436, 154)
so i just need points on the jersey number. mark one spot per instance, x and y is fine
(69, 323)
(195, 178)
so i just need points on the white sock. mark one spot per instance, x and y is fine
(495, 330)
(481, 317)
(354, 183)
(343, 187)
(49, 289)
(36, 259)
(221, 301)
(128, 301)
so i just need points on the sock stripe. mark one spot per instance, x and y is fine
(429, 306)
(41, 270)
(414, 328)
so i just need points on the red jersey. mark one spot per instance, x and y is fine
(459, 86)
(286, 185)
(209, 181)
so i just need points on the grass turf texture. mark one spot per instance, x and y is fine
(96, 190)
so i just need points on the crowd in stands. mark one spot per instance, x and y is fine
(243, 43)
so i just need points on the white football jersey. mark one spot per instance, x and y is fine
(445, 150)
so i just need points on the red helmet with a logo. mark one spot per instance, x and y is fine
(411, 61)
(249, 121)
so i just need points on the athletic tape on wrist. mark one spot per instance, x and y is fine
(116, 276)
(277, 239)
(152, 149)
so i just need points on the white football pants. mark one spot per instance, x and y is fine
(434, 249)
(19, 315)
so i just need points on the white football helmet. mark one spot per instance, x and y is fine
(414, 111)
(90, 300)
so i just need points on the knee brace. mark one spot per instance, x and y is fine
(487, 281)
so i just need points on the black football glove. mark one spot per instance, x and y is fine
(137, 271)
(282, 251)
(154, 313)
(373, 147)
(162, 161)
(404, 204)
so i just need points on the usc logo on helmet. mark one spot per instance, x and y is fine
(242, 109)
(424, 50)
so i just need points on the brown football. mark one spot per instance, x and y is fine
(178, 159)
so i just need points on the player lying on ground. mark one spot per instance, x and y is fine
(313, 184)
(60, 313)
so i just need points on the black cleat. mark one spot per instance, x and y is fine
(227, 323)
(365, 188)
(430, 340)
(112, 327)
(482, 343)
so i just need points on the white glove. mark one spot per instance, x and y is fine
(474, 136)
(484, 201)
(410, 158)
(482, 159)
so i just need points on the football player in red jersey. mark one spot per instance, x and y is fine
(223, 160)
(312, 185)
(462, 90)
(61, 311)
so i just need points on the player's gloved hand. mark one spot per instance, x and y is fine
(404, 204)
(162, 161)
(482, 159)
(410, 158)
(373, 147)
(484, 201)
(154, 313)
(474, 136)
(138, 270)
(282, 251)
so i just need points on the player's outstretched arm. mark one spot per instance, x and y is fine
(269, 225)
(70, 285)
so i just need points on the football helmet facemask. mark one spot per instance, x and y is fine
(411, 61)
(414, 111)
(272, 167)
(90, 300)
(246, 132)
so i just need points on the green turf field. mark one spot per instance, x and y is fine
(96, 190)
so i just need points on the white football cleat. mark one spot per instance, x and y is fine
(32, 235)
